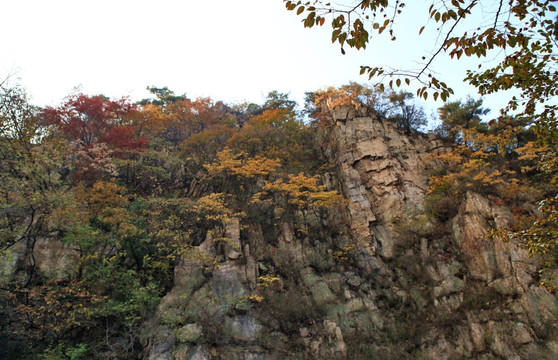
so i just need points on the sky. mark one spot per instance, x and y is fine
(233, 51)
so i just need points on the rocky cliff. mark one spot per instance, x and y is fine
(375, 279)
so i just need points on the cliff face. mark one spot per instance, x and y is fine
(383, 281)
(451, 292)
(375, 278)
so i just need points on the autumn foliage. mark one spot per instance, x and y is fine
(131, 190)
(96, 119)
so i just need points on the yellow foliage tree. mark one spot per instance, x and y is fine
(237, 165)
(275, 133)
(302, 192)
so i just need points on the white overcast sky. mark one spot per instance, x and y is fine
(230, 50)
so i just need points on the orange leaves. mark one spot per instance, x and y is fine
(150, 120)
(487, 159)
(175, 118)
(229, 163)
(303, 191)
(349, 95)
(194, 116)
(452, 159)
(59, 306)
(440, 184)
(275, 133)
(213, 207)
(105, 193)
(202, 147)
(243, 177)
(107, 204)
(541, 158)
(469, 170)
(261, 132)
(270, 117)
(258, 166)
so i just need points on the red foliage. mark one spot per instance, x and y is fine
(123, 137)
(94, 119)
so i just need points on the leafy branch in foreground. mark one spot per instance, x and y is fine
(520, 33)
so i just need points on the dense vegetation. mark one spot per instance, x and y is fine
(130, 189)
(127, 190)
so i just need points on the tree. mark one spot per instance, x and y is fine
(274, 133)
(201, 148)
(238, 174)
(466, 114)
(30, 164)
(163, 97)
(187, 117)
(407, 114)
(458, 115)
(95, 119)
(523, 29)
(18, 118)
(277, 100)
(274, 100)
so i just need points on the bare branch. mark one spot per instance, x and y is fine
(461, 16)
(498, 14)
